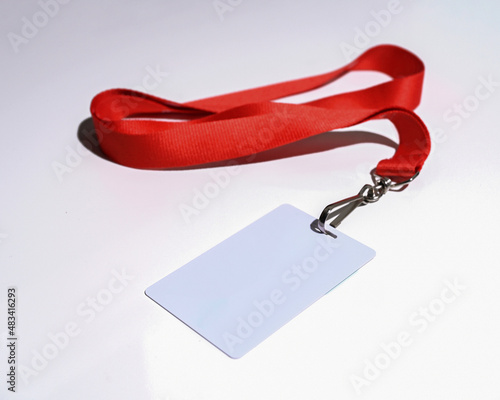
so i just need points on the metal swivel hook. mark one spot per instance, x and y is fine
(368, 194)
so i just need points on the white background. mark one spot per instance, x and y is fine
(64, 238)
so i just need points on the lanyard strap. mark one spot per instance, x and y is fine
(132, 129)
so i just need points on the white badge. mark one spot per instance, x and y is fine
(247, 287)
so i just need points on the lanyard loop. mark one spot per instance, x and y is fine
(133, 130)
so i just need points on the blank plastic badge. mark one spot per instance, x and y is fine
(247, 287)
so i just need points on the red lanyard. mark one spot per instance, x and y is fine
(131, 130)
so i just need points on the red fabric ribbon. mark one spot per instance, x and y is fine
(131, 131)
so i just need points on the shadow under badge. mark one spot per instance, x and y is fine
(247, 287)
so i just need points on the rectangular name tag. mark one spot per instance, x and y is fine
(247, 287)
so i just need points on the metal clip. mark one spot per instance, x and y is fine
(368, 194)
